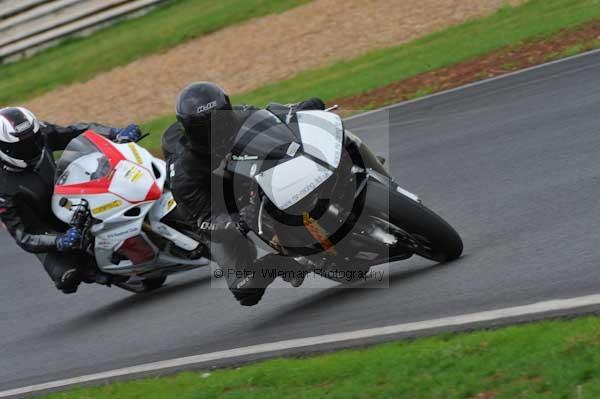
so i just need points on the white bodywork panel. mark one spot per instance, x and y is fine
(161, 209)
(322, 138)
(131, 182)
(322, 135)
(289, 182)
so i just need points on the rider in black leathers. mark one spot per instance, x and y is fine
(195, 147)
(26, 186)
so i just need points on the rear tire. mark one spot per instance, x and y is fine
(143, 286)
(151, 284)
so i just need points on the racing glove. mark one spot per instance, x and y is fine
(131, 133)
(69, 241)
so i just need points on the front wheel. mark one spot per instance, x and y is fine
(429, 235)
(417, 228)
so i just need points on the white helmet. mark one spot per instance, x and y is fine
(21, 143)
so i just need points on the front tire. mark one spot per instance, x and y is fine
(430, 236)
(418, 229)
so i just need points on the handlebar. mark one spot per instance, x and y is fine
(142, 137)
(80, 214)
(81, 220)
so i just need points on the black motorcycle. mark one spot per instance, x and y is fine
(326, 199)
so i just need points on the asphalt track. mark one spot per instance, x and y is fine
(513, 164)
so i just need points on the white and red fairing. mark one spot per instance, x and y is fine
(123, 185)
(118, 183)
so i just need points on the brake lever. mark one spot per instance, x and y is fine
(142, 137)
(83, 221)
(125, 141)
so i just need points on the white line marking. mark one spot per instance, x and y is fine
(477, 83)
(453, 321)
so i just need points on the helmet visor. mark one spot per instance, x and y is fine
(27, 150)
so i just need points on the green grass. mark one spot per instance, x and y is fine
(573, 50)
(554, 359)
(508, 26)
(77, 60)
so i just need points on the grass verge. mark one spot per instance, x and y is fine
(552, 359)
(79, 59)
(510, 26)
(567, 42)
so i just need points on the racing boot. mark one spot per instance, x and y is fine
(63, 271)
(293, 272)
(69, 281)
(295, 277)
(249, 288)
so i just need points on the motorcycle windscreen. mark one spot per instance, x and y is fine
(264, 137)
(81, 162)
(291, 181)
(322, 135)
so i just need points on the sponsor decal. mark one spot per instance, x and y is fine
(122, 233)
(20, 128)
(104, 244)
(207, 226)
(253, 169)
(306, 190)
(318, 233)
(107, 207)
(134, 174)
(206, 107)
(171, 204)
(244, 157)
(292, 149)
(136, 153)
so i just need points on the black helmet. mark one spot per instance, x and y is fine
(21, 143)
(196, 110)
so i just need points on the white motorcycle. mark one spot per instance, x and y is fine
(116, 193)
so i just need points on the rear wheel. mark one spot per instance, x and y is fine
(142, 286)
(151, 284)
